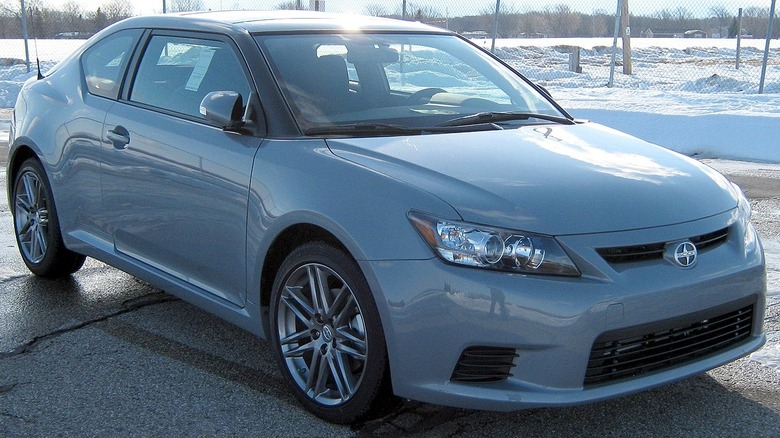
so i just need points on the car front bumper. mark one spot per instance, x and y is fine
(432, 312)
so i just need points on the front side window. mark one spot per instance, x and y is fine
(104, 63)
(176, 73)
(404, 80)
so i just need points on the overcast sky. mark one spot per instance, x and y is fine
(449, 7)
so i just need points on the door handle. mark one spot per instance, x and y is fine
(119, 136)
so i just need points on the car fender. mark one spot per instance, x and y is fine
(369, 218)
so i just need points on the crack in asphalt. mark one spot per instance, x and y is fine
(127, 306)
(7, 388)
(16, 417)
(3, 414)
(253, 378)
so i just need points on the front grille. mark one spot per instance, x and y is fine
(613, 359)
(483, 364)
(653, 251)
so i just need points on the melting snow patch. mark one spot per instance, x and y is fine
(769, 355)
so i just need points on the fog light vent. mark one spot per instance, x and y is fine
(481, 364)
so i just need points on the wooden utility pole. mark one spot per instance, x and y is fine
(624, 24)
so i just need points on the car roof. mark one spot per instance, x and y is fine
(277, 21)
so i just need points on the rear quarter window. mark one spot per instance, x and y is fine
(104, 63)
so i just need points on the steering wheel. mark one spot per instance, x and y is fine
(425, 94)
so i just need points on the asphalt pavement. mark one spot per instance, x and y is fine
(104, 354)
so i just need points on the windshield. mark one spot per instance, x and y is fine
(397, 81)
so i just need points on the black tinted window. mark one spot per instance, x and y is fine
(176, 73)
(104, 63)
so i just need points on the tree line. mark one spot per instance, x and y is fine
(71, 20)
(561, 21)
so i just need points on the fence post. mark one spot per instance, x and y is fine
(574, 59)
(403, 10)
(614, 44)
(739, 35)
(766, 48)
(495, 26)
(24, 36)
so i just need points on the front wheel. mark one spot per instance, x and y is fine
(327, 336)
(36, 226)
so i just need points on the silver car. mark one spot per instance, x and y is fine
(398, 211)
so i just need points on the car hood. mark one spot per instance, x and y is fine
(551, 179)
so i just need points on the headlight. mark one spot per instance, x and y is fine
(493, 248)
(745, 212)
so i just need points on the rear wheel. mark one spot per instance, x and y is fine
(327, 335)
(36, 225)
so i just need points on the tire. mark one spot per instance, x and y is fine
(329, 345)
(36, 225)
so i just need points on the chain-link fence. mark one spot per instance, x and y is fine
(713, 46)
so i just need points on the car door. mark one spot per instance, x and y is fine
(77, 178)
(175, 187)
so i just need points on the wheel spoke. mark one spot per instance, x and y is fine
(296, 337)
(320, 388)
(352, 352)
(342, 377)
(294, 300)
(341, 299)
(28, 184)
(23, 203)
(39, 242)
(25, 229)
(314, 371)
(346, 312)
(359, 344)
(318, 287)
(300, 350)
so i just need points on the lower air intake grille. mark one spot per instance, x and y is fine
(613, 359)
(484, 364)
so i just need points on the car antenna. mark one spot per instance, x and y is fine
(35, 43)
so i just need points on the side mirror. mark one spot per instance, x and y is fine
(226, 108)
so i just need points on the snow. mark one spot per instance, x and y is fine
(684, 94)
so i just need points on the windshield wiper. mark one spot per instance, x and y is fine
(503, 116)
(362, 129)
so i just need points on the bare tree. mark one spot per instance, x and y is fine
(720, 14)
(73, 16)
(289, 6)
(422, 13)
(598, 23)
(116, 10)
(375, 10)
(683, 17)
(755, 21)
(562, 20)
(534, 23)
(508, 21)
(185, 5)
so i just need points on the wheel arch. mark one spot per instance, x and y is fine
(285, 242)
(18, 155)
